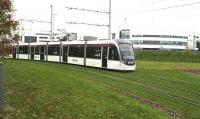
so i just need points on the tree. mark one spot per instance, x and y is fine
(8, 28)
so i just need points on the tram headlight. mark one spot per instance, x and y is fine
(126, 62)
(129, 62)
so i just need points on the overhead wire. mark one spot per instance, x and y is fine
(170, 7)
(87, 24)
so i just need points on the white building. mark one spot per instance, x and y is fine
(160, 42)
(46, 37)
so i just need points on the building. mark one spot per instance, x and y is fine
(160, 42)
(46, 37)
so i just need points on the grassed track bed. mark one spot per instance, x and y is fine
(51, 90)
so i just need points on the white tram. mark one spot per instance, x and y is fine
(109, 54)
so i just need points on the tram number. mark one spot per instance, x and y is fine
(36, 57)
(75, 60)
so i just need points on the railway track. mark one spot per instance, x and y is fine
(169, 88)
(146, 101)
(156, 91)
(148, 82)
(175, 79)
(162, 92)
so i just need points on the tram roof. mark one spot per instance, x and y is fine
(81, 42)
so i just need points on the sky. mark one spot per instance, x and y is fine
(175, 17)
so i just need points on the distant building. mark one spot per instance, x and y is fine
(160, 42)
(46, 37)
(89, 38)
(124, 34)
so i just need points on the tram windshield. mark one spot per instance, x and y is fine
(126, 51)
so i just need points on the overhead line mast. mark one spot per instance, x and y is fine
(51, 22)
(95, 11)
(109, 27)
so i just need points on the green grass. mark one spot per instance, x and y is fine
(50, 90)
(168, 56)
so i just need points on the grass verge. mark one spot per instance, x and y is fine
(50, 90)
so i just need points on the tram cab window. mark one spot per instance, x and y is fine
(113, 53)
(126, 51)
(76, 51)
(37, 50)
(23, 50)
(53, 50)
(94, 52)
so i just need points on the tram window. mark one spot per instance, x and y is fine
(94, 52)
(65, 49)
(23, 50)
(37, 50)
(76, 51)
(113, 53)
(53, 50)
(32, 50)
(42, 50)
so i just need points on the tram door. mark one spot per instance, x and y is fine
(42, 53)
(104, 57)
(32, 53)
(65, 50)
(14, 53)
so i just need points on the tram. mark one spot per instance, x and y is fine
(108, 54)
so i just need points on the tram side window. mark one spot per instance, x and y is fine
(54, 50)
(42, 50)
(23, 50)
(37, 50)
(32, 50)
(94, 52)
(113, 53)
(65, 50)
(76, 51)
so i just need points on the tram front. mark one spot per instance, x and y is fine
(127, 54)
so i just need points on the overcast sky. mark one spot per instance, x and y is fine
(141, 16)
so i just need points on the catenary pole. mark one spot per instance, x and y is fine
(51, 22)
